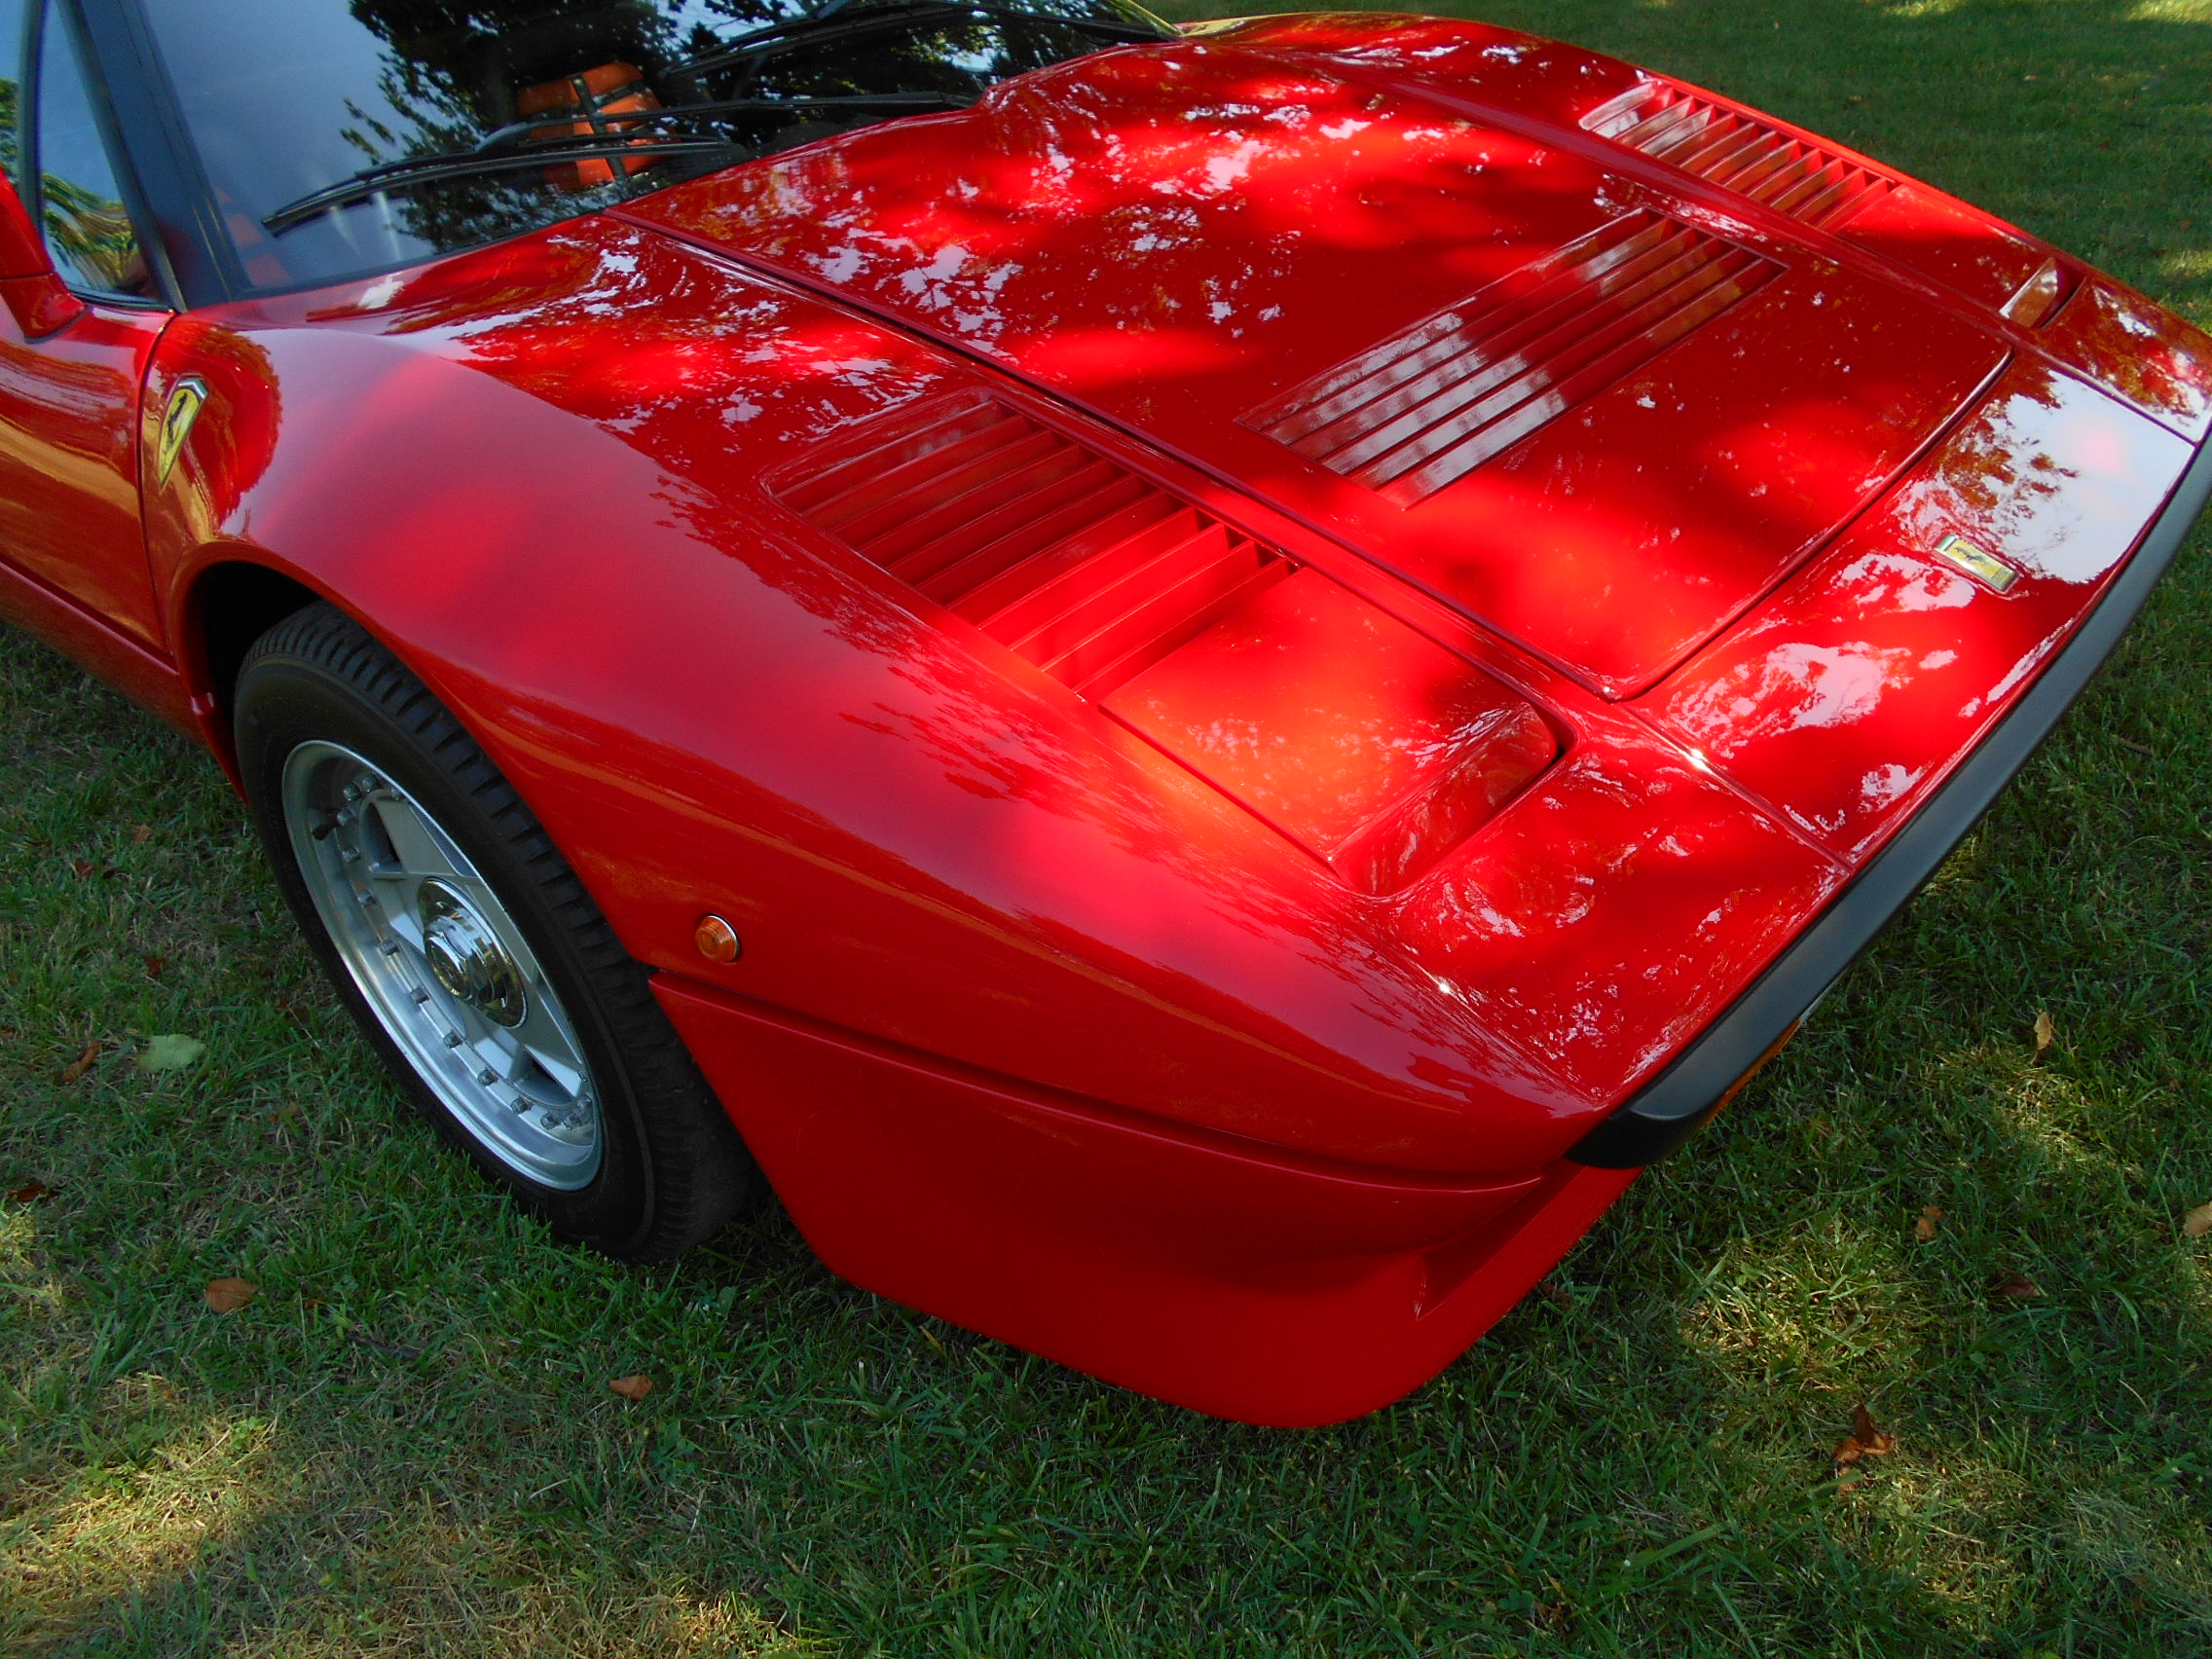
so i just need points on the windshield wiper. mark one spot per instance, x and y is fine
(418, 171)
(612, 122)
(839, 18)
(510, 149)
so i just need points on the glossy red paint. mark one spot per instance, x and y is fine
(2139, 352)
(34, 294)
(1272, 209)
(1846, 700)
(1375, 748)
(1916, 226)
(1066, 559)
(1216, 1274)
(69, 512)
(1197, 876)
(1072, 877)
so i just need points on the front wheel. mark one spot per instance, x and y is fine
(471, 954)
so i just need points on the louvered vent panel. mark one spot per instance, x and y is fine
(1431, 405)
(1086, 569)
(1739, 154)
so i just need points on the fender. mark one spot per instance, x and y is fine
(709, 716)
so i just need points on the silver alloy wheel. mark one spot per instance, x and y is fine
(444, 965)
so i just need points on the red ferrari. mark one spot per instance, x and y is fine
(1194, 685)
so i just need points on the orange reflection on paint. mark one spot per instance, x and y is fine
(1373, 748)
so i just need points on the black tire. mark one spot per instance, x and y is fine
(673, 1170)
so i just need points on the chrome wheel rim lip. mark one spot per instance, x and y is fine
(393, 887)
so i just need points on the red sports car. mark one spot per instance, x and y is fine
(1202, 682)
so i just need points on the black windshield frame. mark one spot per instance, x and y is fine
(158, 157)
(159, 161)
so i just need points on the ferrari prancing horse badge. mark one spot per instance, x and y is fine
(183, 408)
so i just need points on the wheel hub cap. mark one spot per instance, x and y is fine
(466, 959)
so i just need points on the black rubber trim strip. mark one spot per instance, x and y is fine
(1672, 1105)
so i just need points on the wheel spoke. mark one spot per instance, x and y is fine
(545, 1038)
(417, 850)
(392, 898)
(402, 851)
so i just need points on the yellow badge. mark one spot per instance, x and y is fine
(189, 397)
(1977, 562)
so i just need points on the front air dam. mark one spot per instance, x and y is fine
(1208, 1271)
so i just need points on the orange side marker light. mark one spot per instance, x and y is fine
(716, 939)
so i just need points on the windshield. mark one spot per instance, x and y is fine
(288, 99)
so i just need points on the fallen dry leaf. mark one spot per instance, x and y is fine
(2044, 1032)
(156, 966)
(30, 1191)
(141, 832)
(2017, 1287)
(83, 868)
(633, 1388)
(1925, 1228)
(1866, 1441)
(170, 1053)
(1551, 1292)
(228, 1295)
(82, 1064)
(2197, 1222)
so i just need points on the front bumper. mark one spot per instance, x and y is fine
(1672, 1107)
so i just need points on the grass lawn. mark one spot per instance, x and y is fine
(407, 1443)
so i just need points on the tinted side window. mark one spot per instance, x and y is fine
(87, 227)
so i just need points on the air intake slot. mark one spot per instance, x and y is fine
(1086, 569)
(1738, 152)
(1429, 405)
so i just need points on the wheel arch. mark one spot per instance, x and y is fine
(230, 603)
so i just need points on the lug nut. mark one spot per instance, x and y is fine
(716, 939)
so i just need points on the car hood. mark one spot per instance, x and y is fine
(1383, 276)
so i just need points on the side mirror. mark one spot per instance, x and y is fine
(38, 299)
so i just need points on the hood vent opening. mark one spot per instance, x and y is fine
(1347, 732)
(1738, 152)
(1366, 743)
(1429, 405)
(1059, 554)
